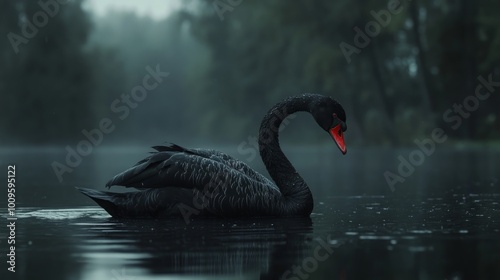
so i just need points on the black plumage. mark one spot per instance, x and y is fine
(176, 181)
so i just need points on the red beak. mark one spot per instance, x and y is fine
(338, 136)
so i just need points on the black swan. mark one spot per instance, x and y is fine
(175, 181)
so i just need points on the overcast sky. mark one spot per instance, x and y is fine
(157, 9)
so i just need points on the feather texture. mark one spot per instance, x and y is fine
(176, 181)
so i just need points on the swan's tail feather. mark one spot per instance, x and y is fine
(107, 200)
(151, 203)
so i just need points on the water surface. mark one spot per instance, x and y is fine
(441, 223)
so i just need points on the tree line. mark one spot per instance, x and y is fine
(400, 68)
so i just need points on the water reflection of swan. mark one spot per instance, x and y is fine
(267, 247)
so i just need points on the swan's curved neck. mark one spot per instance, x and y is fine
(290, 183)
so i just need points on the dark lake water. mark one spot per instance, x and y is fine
(442, 222)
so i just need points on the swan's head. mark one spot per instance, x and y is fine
(330, 115)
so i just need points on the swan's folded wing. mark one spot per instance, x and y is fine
(236, 164)
(143, 172)
(184, 170)
(220, 157)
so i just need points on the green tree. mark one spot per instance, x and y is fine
(47, 84)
